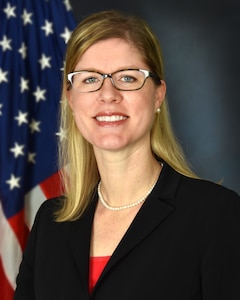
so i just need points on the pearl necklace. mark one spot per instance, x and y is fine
(124, 206)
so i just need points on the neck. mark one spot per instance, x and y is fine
(125, 181)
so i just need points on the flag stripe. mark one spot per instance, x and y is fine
(51, 186)
(6, 290)
(18, 225)
(10, 250)
(33, 200)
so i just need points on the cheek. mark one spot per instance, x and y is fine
(80, 120)
(146, 104)
(81, 109)
(145, 114)
(80, 117)
(83, 126)
(78, 102)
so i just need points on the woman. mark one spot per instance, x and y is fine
(135, 222)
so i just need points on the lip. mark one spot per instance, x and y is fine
(110, 119)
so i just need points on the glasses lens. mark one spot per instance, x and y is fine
(86, 81)
(128, 80)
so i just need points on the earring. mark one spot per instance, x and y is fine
(158, 110)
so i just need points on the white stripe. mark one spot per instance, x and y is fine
(33, 200)
(10, 250)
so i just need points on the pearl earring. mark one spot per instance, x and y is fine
(158, 110)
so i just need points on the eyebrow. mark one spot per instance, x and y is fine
(119, 69)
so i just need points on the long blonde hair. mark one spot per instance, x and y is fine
(75, 152)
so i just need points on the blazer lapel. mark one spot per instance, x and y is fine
(154, 211)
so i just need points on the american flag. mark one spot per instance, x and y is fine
(33, 37)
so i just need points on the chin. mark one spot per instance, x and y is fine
(110, 143)
(113, 146)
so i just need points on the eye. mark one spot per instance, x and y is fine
(127, 78)
(90, 80)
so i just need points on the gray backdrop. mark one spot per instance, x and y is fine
(201, 48)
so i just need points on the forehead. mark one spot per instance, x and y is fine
(110, 55)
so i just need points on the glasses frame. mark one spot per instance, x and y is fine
(147, 74)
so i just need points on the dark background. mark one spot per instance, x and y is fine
(201, 48)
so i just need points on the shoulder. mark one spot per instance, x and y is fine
(51, 205)
(47, 210)
(211, 199)
(197, 191)
(204, 186)
(201, 203)
(205, 189)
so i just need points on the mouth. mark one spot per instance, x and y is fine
(106, 119)
(113, 118)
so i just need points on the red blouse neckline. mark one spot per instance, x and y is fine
(96, 266)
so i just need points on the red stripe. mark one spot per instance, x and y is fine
(17, 223)
(51, 186)
(6, 290)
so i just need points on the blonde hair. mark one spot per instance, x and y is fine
(75, 152)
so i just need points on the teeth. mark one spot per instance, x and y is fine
(110, 118)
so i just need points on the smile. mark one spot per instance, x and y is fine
(110, 118)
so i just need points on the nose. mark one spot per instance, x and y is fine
(108, 93)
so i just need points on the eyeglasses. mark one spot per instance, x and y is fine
(123, 80)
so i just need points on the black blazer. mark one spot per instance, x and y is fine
(182, 245)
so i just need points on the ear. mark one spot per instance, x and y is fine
(160, 94)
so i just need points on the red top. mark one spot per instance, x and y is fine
(96, 266)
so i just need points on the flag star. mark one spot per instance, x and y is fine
(44, 62)
(24, 85)
(17, 150)
(21, 118)
(39, 94)
(23, 50)
(13, 182)
(10, 11)
(67, 4)
(5, 43)
(62, 134)
(26, 17)
(66, 34)
(3, 76)
(1, 105)
(62, 68)
(34, 126)
(47, 27)
(31, 157)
